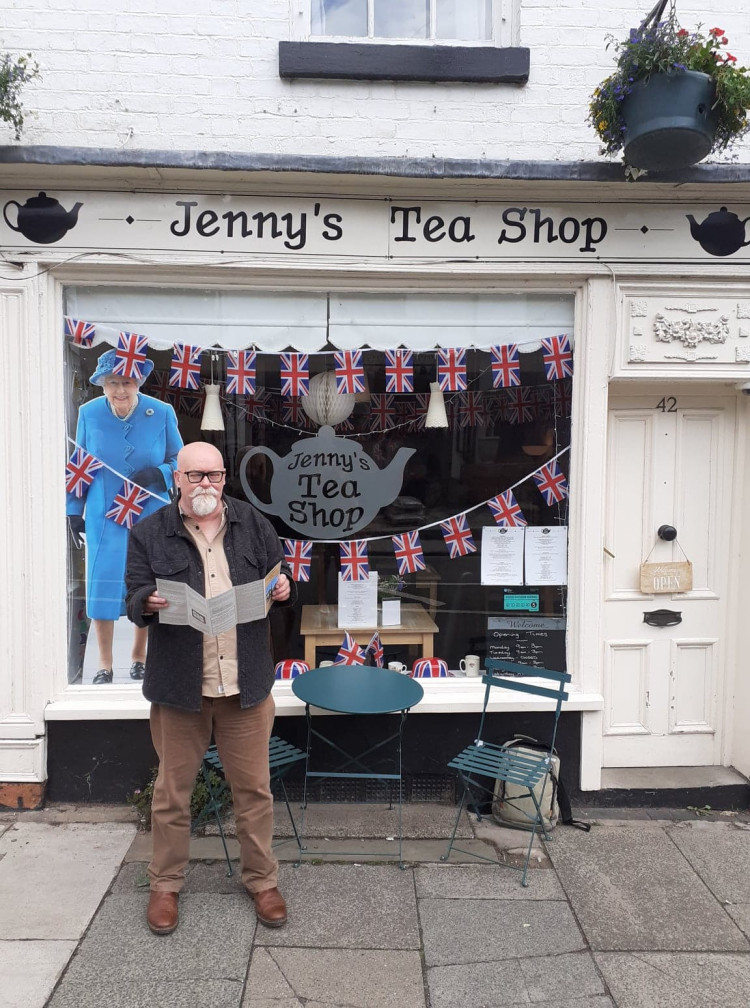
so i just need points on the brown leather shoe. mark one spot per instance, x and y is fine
(270, 907)
(162, 914)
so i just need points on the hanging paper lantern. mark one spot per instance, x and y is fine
(324, 405)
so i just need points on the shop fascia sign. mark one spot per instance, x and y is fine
(372, 229)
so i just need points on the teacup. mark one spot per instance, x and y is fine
(397, 666)
(470, 665)
(429, 668)
(325, 664)
(291, 668)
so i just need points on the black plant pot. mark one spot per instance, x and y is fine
(669, 122)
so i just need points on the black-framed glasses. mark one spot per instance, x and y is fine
(196, 476)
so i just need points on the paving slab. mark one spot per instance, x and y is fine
(740, 914)
(54, 877)
(449, 881)
(676, 980)
(420, 821)
(413, 851)
(631, 888)
(456, 931)
(29, 971)
(357, 978)
(140, 994)
(720, 853)
(346, 906)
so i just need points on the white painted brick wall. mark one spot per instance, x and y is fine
(203, 75)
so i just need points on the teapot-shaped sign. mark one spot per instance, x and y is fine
(42, 219)
(722, 233)
(327, 486)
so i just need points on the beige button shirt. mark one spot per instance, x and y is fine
(219, 653)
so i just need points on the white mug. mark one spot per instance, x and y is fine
(397, 666)
(470, 665)
(325, 664)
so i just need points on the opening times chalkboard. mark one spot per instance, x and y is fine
(529, 640)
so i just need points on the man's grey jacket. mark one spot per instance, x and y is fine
(161, 547)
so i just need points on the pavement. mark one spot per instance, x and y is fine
(651, 909)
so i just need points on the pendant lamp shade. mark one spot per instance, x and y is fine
(436, 415)
(324, 405)
(212, 418)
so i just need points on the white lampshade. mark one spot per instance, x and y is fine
(324, 405)
(436, 415)
(212, 418)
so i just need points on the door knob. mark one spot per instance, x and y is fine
(667, 532)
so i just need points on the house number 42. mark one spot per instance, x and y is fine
(667, 405)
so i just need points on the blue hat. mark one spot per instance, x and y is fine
(105, 366)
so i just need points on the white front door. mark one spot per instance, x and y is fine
(671, 461)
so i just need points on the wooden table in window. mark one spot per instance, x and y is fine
(319, 628)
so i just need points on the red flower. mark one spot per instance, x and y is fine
(716, 31)
(730, 58)
(724, 41)
(682, 33)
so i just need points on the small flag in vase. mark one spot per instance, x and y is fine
(241, 372)
(375, 651)
(350, 653)
(354, 563)
(130, 355)
(81, 333)
(551, 483)
(298, 556)
(350, 375)
(558, 358)
(457, 535)
(128, 504)
(185, 371)
(505, 510)
(451, 370)
(295, 374)
(408, 551)
(506, 367)
(399, 371)
(79, 472)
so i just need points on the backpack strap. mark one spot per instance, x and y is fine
(566, 813)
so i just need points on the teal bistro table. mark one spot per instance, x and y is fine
(358, 689)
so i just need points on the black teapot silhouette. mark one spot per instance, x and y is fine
(42, 219)
(722, 233)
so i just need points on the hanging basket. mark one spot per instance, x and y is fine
(669, 122)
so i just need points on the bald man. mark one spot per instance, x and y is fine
(199, 685)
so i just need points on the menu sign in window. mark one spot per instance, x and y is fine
(528, 640)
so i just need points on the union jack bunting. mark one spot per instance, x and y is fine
(506, 367)
(382, 412)
(420, 405)
(298, 556)
(79, 472)
(375, 651)
(158, 385)
(505, 509)
(451, 370)
(350, 375)
(519, 407)
(350, 653)
(457, 535)
(240, 372)
(404, 411)
(562, 397)
(185, 371)
(354, 563)
(130, 353)
(551, 482)
(408, 550)
(471, 412)
(81, 333)
(292, 412)
(295, 374)
(399, 371)
(558, 358)
(128, 504)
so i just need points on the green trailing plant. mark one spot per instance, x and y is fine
(142, 798)
(15, 73)
(664, 47)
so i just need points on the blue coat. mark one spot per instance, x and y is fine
(149, 437)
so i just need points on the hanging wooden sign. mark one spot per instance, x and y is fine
(666, 578)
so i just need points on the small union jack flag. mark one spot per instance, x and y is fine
(158, 385)
(505, 510)
(551, 482)
(408, 550)
(81, 333)
(350, 653)
(354, 563)
(558, 357)
(185, 371)
(457, 535)
(519, 407)
(295, 374)
(420, 405)
(471, 410)
(451, 370)
(130, 353)
(375, 651)
(350, 375)
(79, 472)
(128, 504)
(240, 372)
(399, 371)
(382, 412)
(506, 367)
(298, 556)
(292, 412)
(562, 397)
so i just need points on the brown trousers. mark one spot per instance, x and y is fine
(180, 739)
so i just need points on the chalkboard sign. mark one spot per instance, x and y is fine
(528, 640)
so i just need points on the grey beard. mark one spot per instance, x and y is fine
(204, 503)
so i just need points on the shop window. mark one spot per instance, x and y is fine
(388, 475)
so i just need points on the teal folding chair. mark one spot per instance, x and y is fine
(482, 764)
(281, 757)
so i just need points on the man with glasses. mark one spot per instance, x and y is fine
(199, 685)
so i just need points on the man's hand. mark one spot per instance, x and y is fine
(153, 603)
(282, 589)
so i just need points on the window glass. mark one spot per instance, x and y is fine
(469, 20)
(339, 17)
(402, 18)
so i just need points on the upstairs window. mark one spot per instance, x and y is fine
(439, 20)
